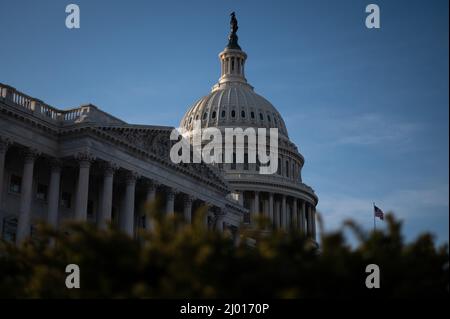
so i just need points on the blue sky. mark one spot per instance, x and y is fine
(367, 108)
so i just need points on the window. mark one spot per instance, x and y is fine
(205, 115)
(66, 199)
(214, 114)
(261, 116)
(223, 114)
(190, 120)
(268, 118)
(252, 115)
(233, 164)
(196, 117)
(287, 168)
(41, 193)
(279, 166)
(243, 114)
(245, 162)
(15, 184)
(233, 113)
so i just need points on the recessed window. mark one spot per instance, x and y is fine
(233, 164)
(252, 115)
(41, 193)
(190, 120)
(223, 114)
(268, 118)
(243, 114)
(15, 184)
(287, 168)
(233, 114)
(245, 162)
(261, 116)
(205, 115)
(196, 117)
(214, 114)
(66, 200)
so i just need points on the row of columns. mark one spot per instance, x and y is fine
(300, 217)
(85, 160)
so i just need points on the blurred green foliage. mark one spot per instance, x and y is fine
(178, 261)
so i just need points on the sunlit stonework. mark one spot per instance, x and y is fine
(85, 164)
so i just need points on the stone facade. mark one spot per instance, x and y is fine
(84, 164)
(282, 197)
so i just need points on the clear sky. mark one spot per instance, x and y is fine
(368, 108)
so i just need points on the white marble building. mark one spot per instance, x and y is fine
(281, 197)
(85, 164)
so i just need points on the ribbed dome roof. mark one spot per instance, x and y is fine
(234, 105)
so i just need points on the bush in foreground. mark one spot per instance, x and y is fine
(176, 261)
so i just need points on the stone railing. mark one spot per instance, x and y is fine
(85, 113)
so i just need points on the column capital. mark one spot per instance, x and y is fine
(170, 192)
(30, 154)
(109, 168)
(131, 177)
(55, 165)
(188, 199)
(85, 158)
(150, 184)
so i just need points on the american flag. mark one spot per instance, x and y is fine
(378, 212)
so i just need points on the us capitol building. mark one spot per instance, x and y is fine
(87, 165)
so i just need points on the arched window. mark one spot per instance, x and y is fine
(214, 115)
(243, 114)
(287, 168)
(223, 113)
(233, 164)
(245, 162)
(205, 115)
(252, 114)
(268, 118)
(261, 117)
(233, 114)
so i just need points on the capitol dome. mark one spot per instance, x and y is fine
(282, 196)
(234, 105)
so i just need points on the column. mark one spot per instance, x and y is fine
(283, 212)
(218, 214)
(270, 211)
(303, 217)
(241, 198)
(187, 209)
(85, 159)
(294, 214)
(53, 193)
(309, 220)
(107, 194)
(150, 197)
(170, 202)
(4, 144)
(24, 223)
(255, 208)
(128, 218)
(277, 215)
(313, 222)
